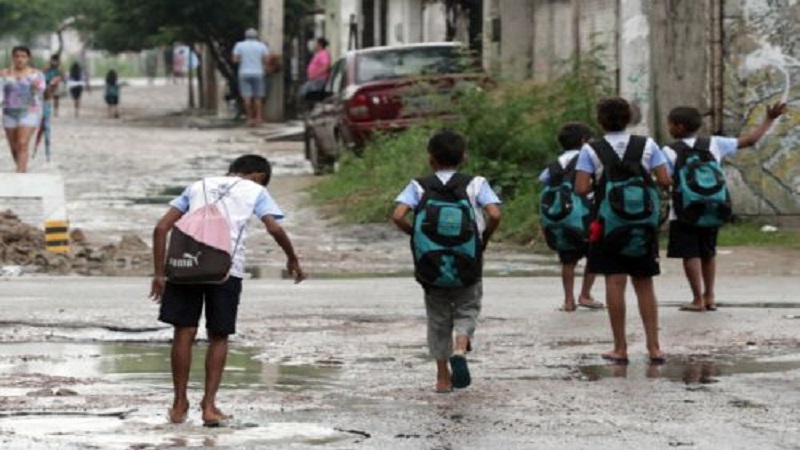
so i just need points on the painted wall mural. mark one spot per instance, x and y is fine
(762, 65)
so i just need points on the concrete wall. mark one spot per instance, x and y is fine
(762, 65)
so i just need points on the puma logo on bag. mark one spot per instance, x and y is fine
(188, 260)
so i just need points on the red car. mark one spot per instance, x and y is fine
(386, 89)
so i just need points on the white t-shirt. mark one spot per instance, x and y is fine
(589, 162)
(240, 200)
(721, 147)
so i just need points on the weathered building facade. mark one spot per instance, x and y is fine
(726, 57)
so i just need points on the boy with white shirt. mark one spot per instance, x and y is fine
(242, 193)
(697, 245)
(457, 308)
(614, 115)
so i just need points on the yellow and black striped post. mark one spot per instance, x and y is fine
(56, 236)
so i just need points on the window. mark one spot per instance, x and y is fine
(409, 62)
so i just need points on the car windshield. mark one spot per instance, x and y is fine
(410, 62)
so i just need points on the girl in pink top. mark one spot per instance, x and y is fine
(23, 89)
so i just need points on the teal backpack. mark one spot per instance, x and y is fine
(445, 241)
(629, 204)
(564, 216)
(700, 195)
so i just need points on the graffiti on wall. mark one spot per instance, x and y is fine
(762, 66)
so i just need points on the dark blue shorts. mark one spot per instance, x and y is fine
(182, 305)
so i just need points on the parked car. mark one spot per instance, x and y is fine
(385, 89)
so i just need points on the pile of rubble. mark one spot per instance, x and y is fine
(22, 249)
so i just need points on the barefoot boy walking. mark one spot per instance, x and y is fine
(241, 194)
(692, 230)
(455, 215)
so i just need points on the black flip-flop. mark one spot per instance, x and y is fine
(658, 361)
(461, 377)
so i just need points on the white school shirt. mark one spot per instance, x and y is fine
(589, 162)
(479, 193)
(244, 199)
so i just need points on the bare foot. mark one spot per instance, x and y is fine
(616, 357)
(708, 300)
(213, 410)
(589, 302)
(569, 306)
(443, 385)
(178, 412)
(692, 307)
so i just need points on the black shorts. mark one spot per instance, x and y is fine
(571, 257)
(112, 100)
(76, 92)
(688, 241)
(182, 305)
(606, 263)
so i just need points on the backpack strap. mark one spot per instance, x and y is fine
(556, 173)
(635, 149)
(455, 189)
(682, 150)
(605, 152)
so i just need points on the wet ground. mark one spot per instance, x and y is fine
(341, 363)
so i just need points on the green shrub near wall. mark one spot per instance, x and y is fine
(511, 135)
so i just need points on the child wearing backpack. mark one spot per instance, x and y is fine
(701, 201)
(564, 216)
(205, 266)
(623, 239)
(112, 94)
(455, 215)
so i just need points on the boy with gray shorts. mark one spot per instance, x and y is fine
(455, 215)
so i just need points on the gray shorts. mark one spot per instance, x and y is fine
(451, 310)
(252, 85)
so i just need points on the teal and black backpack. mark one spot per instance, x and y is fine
(445, 242)
(629, 204)
(700, 195)
(564, 216)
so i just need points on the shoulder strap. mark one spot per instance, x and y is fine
(703, 144)
(555, 173)
(635, 149)
(573, 163)
(605, 152)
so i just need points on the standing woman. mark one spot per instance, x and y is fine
(75, 83)
(23, 89)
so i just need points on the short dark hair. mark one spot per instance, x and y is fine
(323, 42)
(248, 164)
(21, 48)
(447, 148)
(55, 57)
(573, 134)
(614, 113)
(686, 116)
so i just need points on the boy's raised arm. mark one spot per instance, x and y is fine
(773, 112)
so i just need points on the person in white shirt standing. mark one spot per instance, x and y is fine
(251, 55)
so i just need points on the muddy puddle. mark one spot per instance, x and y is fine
(61, 381)
(246, 367)
(691, 371)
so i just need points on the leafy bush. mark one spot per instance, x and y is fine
(511, 134)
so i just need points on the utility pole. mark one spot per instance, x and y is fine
(271, 31)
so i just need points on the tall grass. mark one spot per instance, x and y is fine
(511, 135)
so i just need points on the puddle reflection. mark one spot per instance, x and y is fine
(690, 370)
(150, 364)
